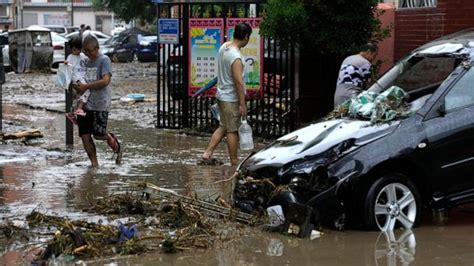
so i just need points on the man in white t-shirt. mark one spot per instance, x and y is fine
(230, 93)
(354, 74)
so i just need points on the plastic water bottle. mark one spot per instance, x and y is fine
(245, 135)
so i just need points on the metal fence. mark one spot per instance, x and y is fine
(271, 115)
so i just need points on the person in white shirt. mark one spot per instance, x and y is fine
(230, 94)
(77, 60)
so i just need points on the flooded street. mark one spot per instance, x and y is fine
(48, 176)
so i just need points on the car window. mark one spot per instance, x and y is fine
(462, 93)
(41, 38)
(132, 39)
(58, 38)
(416, 72)
(425, 72)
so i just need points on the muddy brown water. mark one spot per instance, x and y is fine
(45, 175)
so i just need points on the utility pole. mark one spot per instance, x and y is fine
(21, 12)
(72, 13)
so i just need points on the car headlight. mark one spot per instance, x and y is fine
(309, 164)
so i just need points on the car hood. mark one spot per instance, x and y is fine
(317, 138)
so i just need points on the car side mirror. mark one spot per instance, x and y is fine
(442, 109)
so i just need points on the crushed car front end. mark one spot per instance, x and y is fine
(300, 172)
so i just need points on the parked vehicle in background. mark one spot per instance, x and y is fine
(147, 49)
(30, 49)
(125, 46)
(377, 168)
(5, 50)
(61, 30)
(59, 51)
(101, 37)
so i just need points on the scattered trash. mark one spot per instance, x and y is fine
(315, 234)
(376, 107)
(166, 221)
(24, 135)
(133, 97)
(275, 216)
(127, 233)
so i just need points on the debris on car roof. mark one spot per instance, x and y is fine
(376, 107)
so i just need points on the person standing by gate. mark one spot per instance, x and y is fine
(230, 93)
(354, 73)
(94, 123)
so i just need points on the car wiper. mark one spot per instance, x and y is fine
(289, 142)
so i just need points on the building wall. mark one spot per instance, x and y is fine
(417, 26)
(386, 46)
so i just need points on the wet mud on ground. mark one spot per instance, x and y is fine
(47, 176)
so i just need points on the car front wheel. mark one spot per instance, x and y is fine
(391, 202)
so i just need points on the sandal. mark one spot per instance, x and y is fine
(119, 151)
(212, 161)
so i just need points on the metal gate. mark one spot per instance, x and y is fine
(271, 115)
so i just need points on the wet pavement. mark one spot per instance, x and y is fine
(50, 177)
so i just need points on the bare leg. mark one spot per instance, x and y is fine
(232, 143)
(89, 147)
(110, 141)
(215, 139)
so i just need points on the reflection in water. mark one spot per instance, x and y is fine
(64, 184)
(391, 249)
(275, 247)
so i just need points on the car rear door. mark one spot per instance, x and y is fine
(127, 48)
(450, 135)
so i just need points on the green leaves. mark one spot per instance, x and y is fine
(327, 26)
(284, 20)
(128, 9)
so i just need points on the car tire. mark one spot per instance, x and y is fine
(391, 202)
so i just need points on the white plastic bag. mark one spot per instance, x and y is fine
(64, 76)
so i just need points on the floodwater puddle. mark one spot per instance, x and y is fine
(49, 177)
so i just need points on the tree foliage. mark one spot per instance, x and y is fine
(128, 10)
(328, 26)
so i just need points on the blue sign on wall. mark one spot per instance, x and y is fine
(168, 30)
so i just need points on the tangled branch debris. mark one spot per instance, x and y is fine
(25, 135)
(169, 222)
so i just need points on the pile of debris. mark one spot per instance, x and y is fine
(376, 107)
(161, 220)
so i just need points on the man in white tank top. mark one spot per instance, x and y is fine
(230, 93)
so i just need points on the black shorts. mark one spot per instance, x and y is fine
(95, 122)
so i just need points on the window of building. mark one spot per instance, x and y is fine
(417, 3)
(3, 11)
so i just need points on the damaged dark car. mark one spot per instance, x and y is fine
(377, 174)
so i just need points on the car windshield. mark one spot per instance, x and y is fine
(115, 40)
(58, 38)
(417, 72)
